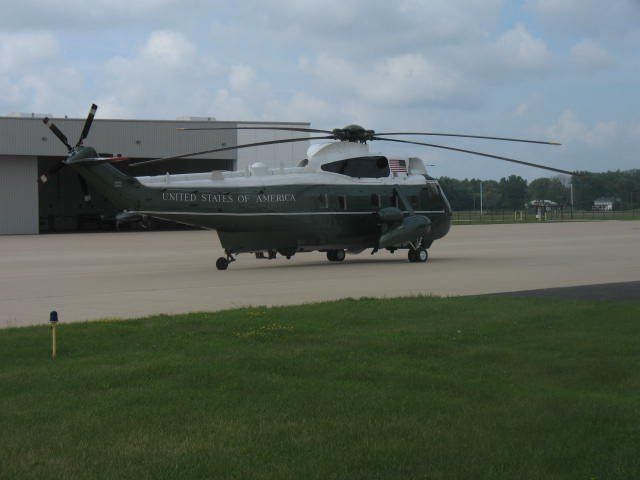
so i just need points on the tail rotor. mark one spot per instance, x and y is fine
(51, 172)
(56, 131)
(87, 124)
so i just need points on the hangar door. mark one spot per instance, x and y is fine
(18, 195)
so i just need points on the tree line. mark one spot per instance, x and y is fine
(513, 192)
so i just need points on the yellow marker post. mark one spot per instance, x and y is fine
(53, 321)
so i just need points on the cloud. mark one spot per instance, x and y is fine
(32, 76)
(520, 51)
(409, 79)
(80, 16)
(23, 49)
(459, 77)
(597, 146)
(524, 107)
(168, 49)
(301, 107)
(512, 56)
(241, 77)
(165, 76)
(590, 55)
(169, 76)
(588, 18)
(570, 129)
(372, 28)
(602, 134)
(226, 106)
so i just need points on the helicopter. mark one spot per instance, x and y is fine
(343, 198)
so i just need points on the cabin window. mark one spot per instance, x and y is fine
(342, 202)
(376, 202)
(413, 199)
(432, 190)
(324, 200)
(360, 167)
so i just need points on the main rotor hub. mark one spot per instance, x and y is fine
(353, 133)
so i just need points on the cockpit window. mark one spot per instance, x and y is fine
(360, 167)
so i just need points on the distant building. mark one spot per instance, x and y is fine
(603, 204)
(545, 208)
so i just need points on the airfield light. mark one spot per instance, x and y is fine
(53, 321)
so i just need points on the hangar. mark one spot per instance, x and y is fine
(28, 149)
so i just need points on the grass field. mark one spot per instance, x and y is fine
(441, 388)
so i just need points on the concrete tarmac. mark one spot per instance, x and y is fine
(106, 275)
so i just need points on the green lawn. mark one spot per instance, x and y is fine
(465, 388)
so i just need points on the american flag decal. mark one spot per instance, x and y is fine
(397, 166)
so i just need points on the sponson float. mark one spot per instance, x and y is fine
(343, 198)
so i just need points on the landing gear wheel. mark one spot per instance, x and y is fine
(222, 263)
(418, 256)
(335, 255)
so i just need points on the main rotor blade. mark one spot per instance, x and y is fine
(56, 131)
(504, 139)
(87, 124)
(284, 129)
(246, 145)
(507, 159)
(44, 178)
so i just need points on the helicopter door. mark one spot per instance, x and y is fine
(429, 195)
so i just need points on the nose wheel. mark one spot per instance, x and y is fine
(335, 255)
(419, 255)
(222, 263)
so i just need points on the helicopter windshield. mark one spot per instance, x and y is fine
(360, 167)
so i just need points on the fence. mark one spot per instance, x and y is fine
(522, 216)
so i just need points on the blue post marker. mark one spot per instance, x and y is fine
(53, 321)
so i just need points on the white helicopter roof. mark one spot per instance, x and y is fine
(322, 153)
(309, 172)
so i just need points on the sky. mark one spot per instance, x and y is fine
(563, 70)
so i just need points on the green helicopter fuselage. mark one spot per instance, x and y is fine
(285, 210)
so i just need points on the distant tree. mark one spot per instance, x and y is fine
(474, 187)
(492, 195)
(458, 192)
(587, 187)
(513, 191)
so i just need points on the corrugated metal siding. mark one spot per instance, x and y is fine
(135, 138)
(140, 139)
(287, 154)
(18, 195)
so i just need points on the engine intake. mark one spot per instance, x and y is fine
(411, 229)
